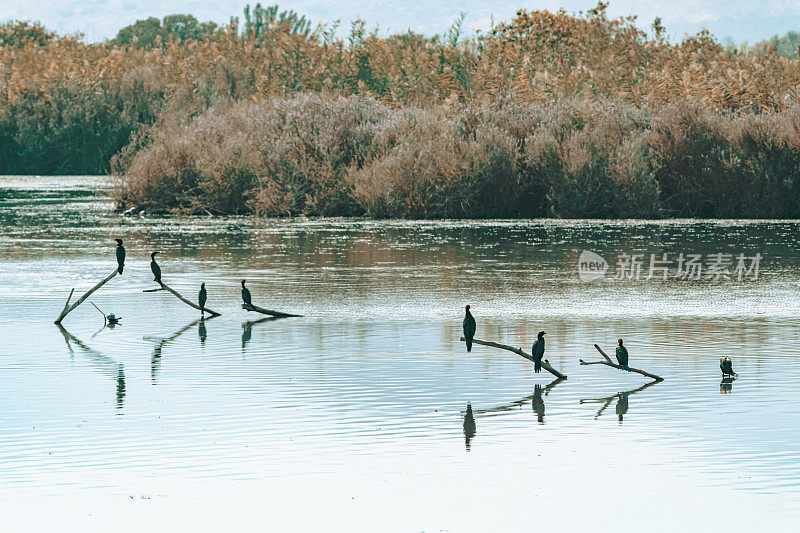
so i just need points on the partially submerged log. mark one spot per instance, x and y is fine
(276, 314)
(545, 363)
(609, 362)
(180, 297)
(69, 308)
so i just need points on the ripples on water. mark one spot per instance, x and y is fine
(352, 417)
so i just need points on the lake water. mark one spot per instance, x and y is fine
(352, 417)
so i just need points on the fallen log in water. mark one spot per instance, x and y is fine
(180, 297)
(609, 362)
(69, 308)
(545, 363)
(276, 314)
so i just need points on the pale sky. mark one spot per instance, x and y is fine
(742, 20)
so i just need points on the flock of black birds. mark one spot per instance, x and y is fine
(537, 350)
(202, 296)
(470, 326)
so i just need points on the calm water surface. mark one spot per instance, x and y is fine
(352, 417)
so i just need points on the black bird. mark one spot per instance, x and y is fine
(726, 366)
(538, 403)
(537, 351)
(120, 256)
(202, 297)
(246, 296)
(155, 268)
(469, 329)
(622, 356)
(469, 426)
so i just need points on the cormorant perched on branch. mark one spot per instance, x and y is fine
(726, 365)
(537, 351)
(622, 356)
(120, 256)
(246, 297)
(469, 329)
(202, 297)
(155, 268)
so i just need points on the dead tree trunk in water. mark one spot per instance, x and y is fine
(69, 308)
(609, 362)
(545, 363)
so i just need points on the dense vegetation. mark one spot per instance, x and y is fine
(549, 114)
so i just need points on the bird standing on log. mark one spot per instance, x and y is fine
(155, 268)
(202, 297)
(622, 356)
(537, 351)
(120, 256)
(469, 329)
(726, 365)
(246, 296)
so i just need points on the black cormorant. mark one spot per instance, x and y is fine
(246, 297)
(622, 356)
(202, 297)
(469, 328)
(726, 366)
(537, 351)
(120, 255)
(155, 268)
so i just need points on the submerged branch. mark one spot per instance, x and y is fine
(608, 362)
(545, 363)
(69, 308)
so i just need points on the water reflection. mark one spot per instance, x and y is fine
(247, 329)
(622, 400)
(202, 332)
(99, 361)
(537, 402)
(469, 426)
(160, 342)
(726, 385)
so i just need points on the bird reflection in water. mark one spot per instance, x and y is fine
(537, 403)
(247, 329)
(99, 362)
(469, 426)
(120, 387)
(726, 385)
(202, 332)
(161, 342)
(622, 401)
